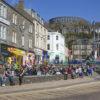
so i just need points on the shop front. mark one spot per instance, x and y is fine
(4, 53)
(29, 58)
(38, 56)
(12, 54)
(56, 58)
(20, 57)
(17, 55)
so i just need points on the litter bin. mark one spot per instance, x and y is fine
(65, 76)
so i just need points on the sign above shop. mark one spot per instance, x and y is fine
(16, 51)
(38, 51)
(8, 50)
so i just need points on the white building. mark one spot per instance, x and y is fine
(56, 47)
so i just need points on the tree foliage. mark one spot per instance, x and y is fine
(80, 30)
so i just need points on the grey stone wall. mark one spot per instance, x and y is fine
(37, 79)
(21, 16)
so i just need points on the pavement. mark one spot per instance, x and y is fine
(44, 85)
(72, 89)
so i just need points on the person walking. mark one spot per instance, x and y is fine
(2, 76)
(21, 74)
(9, 73)
(65, 73)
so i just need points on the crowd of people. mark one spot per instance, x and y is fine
(9, 71)
(74, 71)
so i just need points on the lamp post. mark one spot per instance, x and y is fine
(94, 43)
(93, 28)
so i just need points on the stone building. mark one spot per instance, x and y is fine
(23, 35)
(41, 32)
(17, 33)
(81, 49)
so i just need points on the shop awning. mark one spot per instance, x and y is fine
(16, 51)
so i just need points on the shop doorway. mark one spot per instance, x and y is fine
(57, 59)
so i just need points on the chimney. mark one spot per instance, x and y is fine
(21, 4)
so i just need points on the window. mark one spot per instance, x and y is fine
(44, 31)
(56, 37)
(48, 46)
(30, 43)
(23, 41)
(23, 24)
(14, 36)
(41, 28)
(37, 27)
(14, 20)
(48, 37)
(30, 29)
(57, 57)
(57, 46)
(3, 11)
(3, 32)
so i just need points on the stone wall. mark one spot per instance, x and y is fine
(36, 79)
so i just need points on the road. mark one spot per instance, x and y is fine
(78, 89)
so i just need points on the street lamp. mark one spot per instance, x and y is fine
(93, 28)
(94, 36)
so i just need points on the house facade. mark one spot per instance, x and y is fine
(56, 48)
(16, 34)
(23, 37)
(41, 32)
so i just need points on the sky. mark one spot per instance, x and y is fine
(47, 9)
